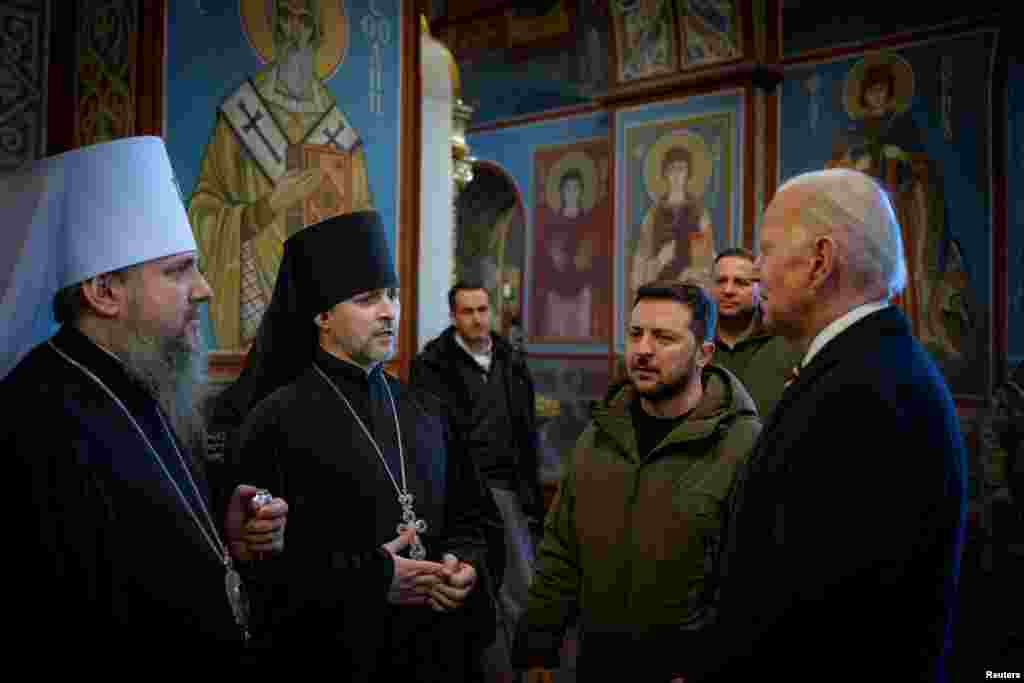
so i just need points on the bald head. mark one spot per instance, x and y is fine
(852, 208)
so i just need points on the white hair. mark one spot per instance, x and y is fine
(853, 208)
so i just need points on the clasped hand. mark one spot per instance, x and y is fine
(442, 585)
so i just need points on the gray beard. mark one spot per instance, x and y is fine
(175, 377)
(295, 71)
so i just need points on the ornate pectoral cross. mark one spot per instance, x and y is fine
(236, 596)
(417, 550)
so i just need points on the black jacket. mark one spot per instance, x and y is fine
(842, 546)
(436, 370)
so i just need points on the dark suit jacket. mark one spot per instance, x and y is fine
(841, 555)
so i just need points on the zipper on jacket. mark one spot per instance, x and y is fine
(628, 567)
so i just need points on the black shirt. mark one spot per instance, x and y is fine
(650, 430)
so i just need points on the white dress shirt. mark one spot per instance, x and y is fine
(839, 325)
(482, 359)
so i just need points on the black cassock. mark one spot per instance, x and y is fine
(326, 593)
(101, 554)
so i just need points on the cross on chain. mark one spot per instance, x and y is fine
(332, 136)
(254, 126)
(417, 550)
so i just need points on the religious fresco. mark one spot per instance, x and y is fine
(513, 65)
(506, 74)
(678, 176)
(709, 32)
(522, 153)
(272, 105)
(571, 276)
(490, 244)
(917, 119)
(645, 38)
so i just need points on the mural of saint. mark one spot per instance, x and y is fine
(676, 238)
(570, 286)
(282, 155)
(709, 32)
(646, 38)
(883, 140)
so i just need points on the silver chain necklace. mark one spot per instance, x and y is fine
(417, 550)
(232, 580)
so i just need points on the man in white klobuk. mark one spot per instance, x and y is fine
(120, 538)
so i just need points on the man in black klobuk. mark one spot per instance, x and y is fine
(378, 579)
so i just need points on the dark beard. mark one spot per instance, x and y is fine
(295, 71)
(175, 376)
(664, 392)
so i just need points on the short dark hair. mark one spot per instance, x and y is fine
(702, 307)
(460, 286)
(736, 252)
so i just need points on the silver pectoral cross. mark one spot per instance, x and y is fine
(417, 550)
(236, 596)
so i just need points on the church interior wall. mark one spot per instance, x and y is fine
(950, 136)
(573, 79)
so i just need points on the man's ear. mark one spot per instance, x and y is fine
(824, 260)
(106, 294)
(320, 320)
(704, 354)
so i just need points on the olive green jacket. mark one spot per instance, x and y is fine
(628, 540)
(762, 362)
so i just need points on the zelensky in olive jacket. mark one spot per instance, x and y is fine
(630, 536)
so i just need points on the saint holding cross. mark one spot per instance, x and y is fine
(282, 156)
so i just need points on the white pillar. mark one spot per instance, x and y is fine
(437, 228)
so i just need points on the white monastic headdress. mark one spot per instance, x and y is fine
(70, 217)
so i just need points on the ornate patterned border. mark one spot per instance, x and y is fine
(24, 50)
(107, 42)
